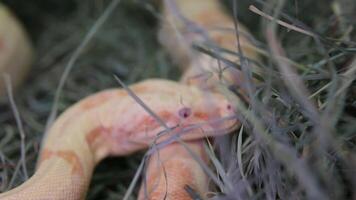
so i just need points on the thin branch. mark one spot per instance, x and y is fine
(87, 39)
(16, 112)
(280, 22)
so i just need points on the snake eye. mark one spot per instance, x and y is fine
(185, 112)
(228, 107)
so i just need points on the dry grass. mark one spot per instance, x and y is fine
(298, 137)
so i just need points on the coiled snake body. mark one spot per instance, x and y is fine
(112, 123)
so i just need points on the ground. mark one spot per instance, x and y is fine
(127, 46)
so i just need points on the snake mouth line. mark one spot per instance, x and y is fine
(186, 130)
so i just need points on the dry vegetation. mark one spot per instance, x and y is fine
(299, 132)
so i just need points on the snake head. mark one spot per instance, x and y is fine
(210, 114)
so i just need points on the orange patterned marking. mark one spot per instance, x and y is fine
(148, 120)
(201, 115)
(94, 134)
(211, 18)
(72, 158)
(164, 115)
(2, 45)
(140, 88)
(149, 123)
(93, 101)
(45, 155)
(68, 155)
(178, 176)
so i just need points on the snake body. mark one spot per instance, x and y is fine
(187, 22)
(16, 51)
(174, 174)
(112, 123)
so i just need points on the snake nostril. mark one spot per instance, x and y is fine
(185, 112)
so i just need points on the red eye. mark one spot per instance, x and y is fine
(185, 112)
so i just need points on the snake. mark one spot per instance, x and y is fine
(16, 51)
(173, 173)
(113, 123)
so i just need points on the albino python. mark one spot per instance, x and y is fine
(112, 123)
(15, 49)
(187, 22)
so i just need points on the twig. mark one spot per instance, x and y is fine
(16, 112)
(88, 37)
(290, 77)
(280, 22)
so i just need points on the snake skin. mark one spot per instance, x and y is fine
(112, 123)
